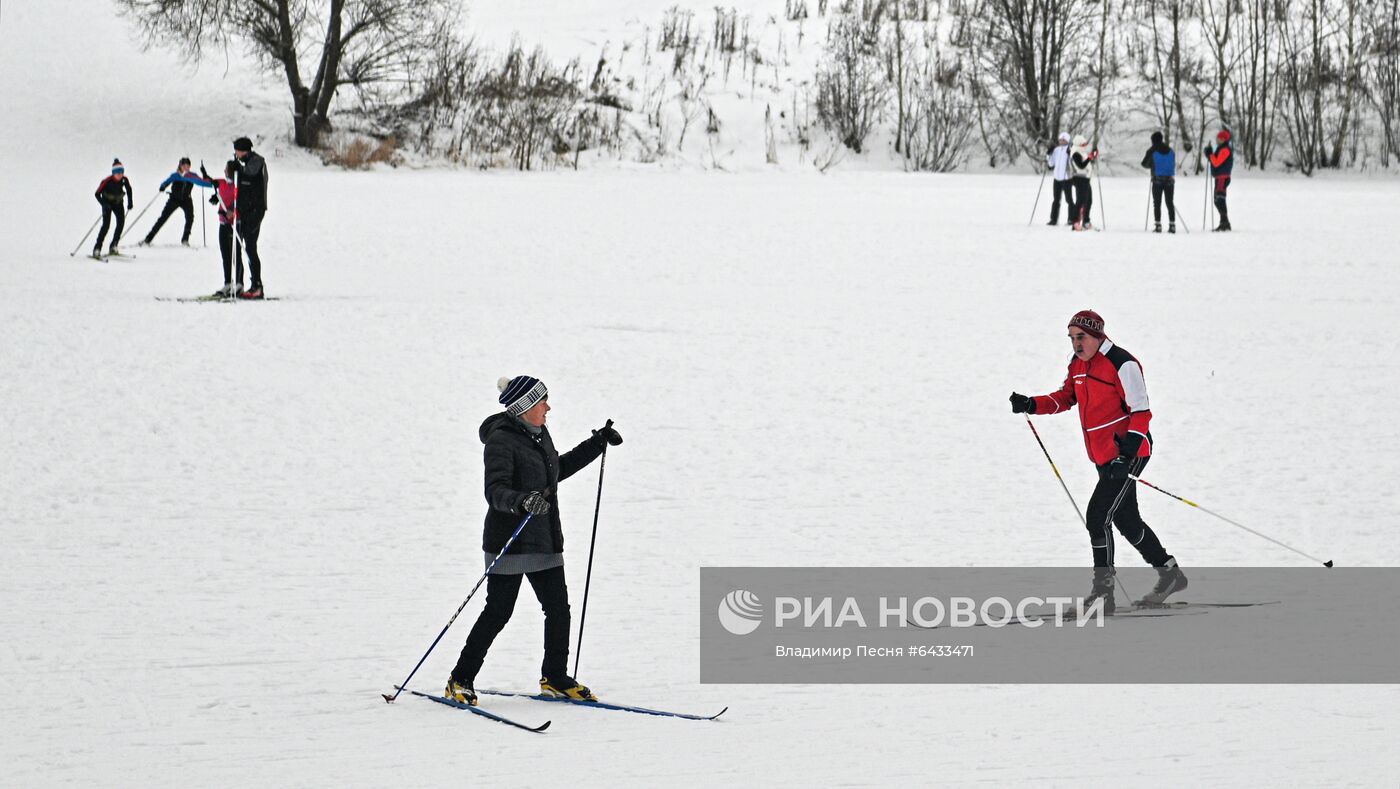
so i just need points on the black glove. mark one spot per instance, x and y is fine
(608, 434)
(203, 172)
(1128, 444)
(535, 503)
(1020, 404)
(162, 187)
(1208, 149)
(1119, 467)
(129, 206)
(214, 200)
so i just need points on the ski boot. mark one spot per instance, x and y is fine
(253, 293)
(1157, 228)
(145, 242)
(565, 687)
(114, 253)
(1171, 228)
(460, 692)
(226, 292)
(96, 253)
(1102, 590)
(1170, 579)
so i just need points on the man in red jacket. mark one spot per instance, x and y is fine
(1106, 383)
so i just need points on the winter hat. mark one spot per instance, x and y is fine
(243, 144)
(184, 160)
(1223, 136)
(1156, 137)
(521, 393)
(117, 166)
(1091, 322)
(1064, 136)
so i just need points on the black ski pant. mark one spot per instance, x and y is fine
(1083, 199)
(1062, 188)
(186, 205)
(501, 591)
(1114, 503)
(1222, 183)
(228, 249)
(249, 228)
(107, 212)
(1163, 186)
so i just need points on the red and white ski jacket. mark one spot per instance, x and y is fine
(1112, 398)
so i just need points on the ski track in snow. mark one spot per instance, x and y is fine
(229, 527)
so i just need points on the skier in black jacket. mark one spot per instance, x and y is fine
(250, 208)
(523, 472)
(109, 196)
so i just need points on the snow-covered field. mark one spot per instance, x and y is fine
(228, 528)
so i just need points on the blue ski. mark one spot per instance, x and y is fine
(483, 713)
(606, 706)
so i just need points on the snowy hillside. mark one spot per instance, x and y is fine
(230, 527)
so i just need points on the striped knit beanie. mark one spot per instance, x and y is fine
(117, 167)
(1088, 320)
(519, 394)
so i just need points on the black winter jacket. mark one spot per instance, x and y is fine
(518, 463)
(252, 185)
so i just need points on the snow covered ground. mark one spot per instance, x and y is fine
(228, 528)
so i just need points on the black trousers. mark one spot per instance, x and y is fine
(249, 227)
(1062, 188)
(1164, 186)
(1114, 503)
(171, 204)
(1083, 200)
(228, 249)
(107, 212)
(501, 591)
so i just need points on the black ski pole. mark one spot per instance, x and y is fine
(1146, 212)
(399, 688)
(238, 235)
(1036, 207)
(588, 578)
(85, 237)
(1327, 563)
(1103, 214)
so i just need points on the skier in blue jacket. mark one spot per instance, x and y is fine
(181, 183)
(1161, 160)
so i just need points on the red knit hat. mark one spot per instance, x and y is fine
(1088, 320)
(1223, 136)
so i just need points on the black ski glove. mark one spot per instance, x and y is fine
(214, 200)
(535, 503)
(129, 206)
(608, 434)
(1020, 404)
(162, 187)
(1128, 444)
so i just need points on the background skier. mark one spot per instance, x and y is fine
(181, 183)
(1161, 160)
(1106, 383)
(1222, 162)
(523, 471)
(109, 196)
(225, 195)
(1057, 159)
(251, 206)
(1082, 162)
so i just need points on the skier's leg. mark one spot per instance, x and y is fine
(553, 595)
(1169, 188)
(165, 212)
(120, 211)
(1131, 526)
(1098, 517)
(187, 206)
(226, 251)
(252, 226)
(106, 221)
(1157, 201)
(501, 591)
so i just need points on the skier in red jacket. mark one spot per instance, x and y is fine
(1106, 383)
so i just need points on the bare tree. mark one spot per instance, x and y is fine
(364, 43)
(1384, 74)
(850, 88)
(1035, 52)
